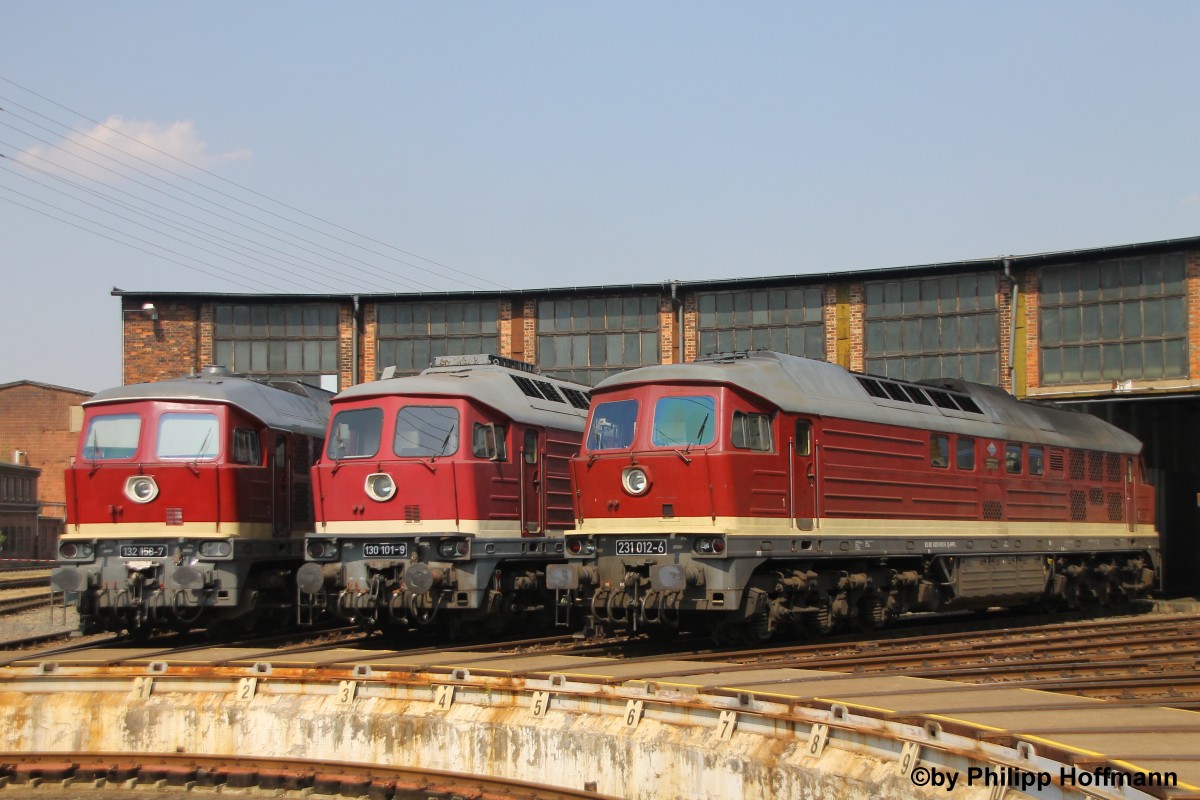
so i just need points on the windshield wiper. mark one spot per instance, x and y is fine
(95, 450)
(442, 450)
(200, 452)
(699, 434)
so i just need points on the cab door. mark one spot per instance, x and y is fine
(281, 500)
(805, 481)
(532, 485)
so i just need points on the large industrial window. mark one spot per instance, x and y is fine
(586, 339)
(1114, 320)
(411, 335)
(785, 320)
(281, 342)
(933, 328)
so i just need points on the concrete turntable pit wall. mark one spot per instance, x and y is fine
(684, 741)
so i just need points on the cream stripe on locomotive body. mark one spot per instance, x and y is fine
(442, 495)
(788, 493)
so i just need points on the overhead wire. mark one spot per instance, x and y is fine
(4, 160)
(379, 272)
(187, 202)
(251, 246)
(122, 242)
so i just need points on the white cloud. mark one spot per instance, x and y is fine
(1191, 200)
(134, 144)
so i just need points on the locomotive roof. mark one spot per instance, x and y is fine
(284, 405)
(805, 386)
(520, 394)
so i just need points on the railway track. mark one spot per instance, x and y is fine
(94, 772)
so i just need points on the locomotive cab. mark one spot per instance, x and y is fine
(442, 492)
(184, 506)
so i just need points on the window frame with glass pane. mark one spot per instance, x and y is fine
(408, 336)
(785, 319)
(421, 421)
(678, 414)
(296, 341)
(586, 339)
(933, 327)
(1123, 319)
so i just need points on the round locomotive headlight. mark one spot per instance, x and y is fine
(215, 549)
(141, 489)
(74, 550)
(635, 481)
(380, 487)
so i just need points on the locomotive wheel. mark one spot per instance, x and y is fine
(820, 622)
(872, 614)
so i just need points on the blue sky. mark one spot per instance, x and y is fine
(534, 144)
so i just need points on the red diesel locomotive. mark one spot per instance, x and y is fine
(444, 493)
(187, 501)
(762, 493)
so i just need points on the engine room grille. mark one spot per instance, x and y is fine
(1096, 497)
(1096, 467)
(1078, 505)
(1112, 468)
(1077, 465)
(1116, 507)
(992, 509)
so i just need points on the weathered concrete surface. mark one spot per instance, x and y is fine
(565, 747)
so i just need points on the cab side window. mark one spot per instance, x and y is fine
(245, 447)
(751, 431)
(939, 450)
(488, 441)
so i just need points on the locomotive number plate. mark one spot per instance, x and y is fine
(143, 551)
(641, 547)
(385, 550)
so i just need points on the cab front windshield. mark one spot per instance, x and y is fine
(193, 436)
(355, 433)
(426, 432)
(684, 421)
(613, 425)
(112, 436)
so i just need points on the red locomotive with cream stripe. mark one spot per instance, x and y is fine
(763, 493)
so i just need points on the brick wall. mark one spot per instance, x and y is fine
(1193, 312)
(368, 356)
(167, 347)
(668, 333)
(36, 419)
(691, 338)
(529, 332)
(1032, 378)
(504, 331)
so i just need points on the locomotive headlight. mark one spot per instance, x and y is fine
(321, 549)
(216, 549)
(635, 481)
(453, 548)
(580, 547)
(381, 487)
(709, 547)
(141, 489)
(75, 551)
